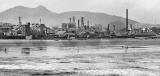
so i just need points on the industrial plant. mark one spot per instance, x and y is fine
(79, 29)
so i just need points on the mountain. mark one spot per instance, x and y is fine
(50, 18)
(28, 15)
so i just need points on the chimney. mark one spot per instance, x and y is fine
(82, 21)
(40, 21)
(126, 20)
(108, 27)
(70, 20)
(78, 23)
(20, 23)
(73, 19)
(114, 27)
(88, 23)
(131, 27)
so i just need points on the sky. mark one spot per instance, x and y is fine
(145, 11)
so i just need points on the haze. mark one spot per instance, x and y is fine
(145, 11)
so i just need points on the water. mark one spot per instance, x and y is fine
(121, 57)
(51, 48)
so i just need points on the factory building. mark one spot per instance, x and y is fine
(70, 27)
(27, 29)
(5, 29)
(96, 28)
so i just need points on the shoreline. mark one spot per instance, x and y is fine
(79, 39)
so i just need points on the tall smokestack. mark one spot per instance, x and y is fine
(82, 21)
(73, 19)
(70, 19)
(88, 23)
(126, 20)
(40, 21)
(108, 27)
(131, 27)
(114, 27)
(20, 23)
(78, 23)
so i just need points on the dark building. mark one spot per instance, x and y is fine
(82, 21)
(78, 23)
(64, 26)
(69, 27)
(27, 29)
(73, 19)
(43, 30)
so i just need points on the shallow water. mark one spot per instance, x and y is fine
(38, 48)
(121, 57)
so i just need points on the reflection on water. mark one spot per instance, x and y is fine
(3, 50)
(61, 48)
(125, 48)
(42, 48)
(25, 51)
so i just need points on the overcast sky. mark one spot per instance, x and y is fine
(146, 11)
